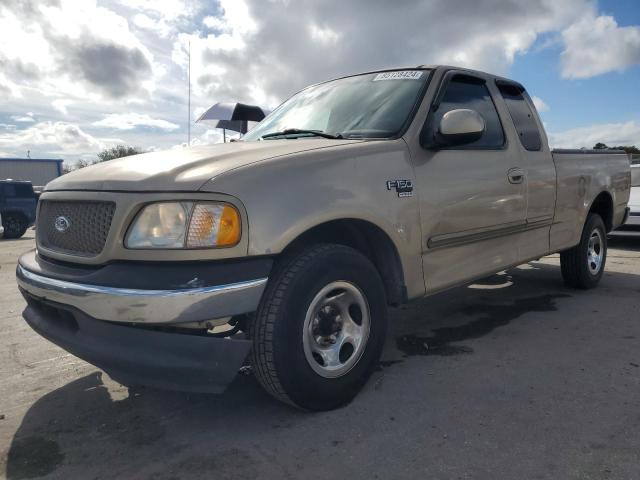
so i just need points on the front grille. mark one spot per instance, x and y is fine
(74, 227)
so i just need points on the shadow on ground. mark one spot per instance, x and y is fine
(62, 427)
(81, 431)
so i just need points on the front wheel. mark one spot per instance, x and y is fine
(583, 265)
(320, 328)
(14, 226)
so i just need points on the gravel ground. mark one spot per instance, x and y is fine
(514, 377)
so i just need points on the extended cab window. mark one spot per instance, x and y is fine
(522, 116)
(466, 92)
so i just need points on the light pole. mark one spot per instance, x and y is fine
(189, 100)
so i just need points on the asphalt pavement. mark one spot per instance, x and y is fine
(513, 377)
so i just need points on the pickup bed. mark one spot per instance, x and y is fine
(284, 249)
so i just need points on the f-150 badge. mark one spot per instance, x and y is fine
(404, 188)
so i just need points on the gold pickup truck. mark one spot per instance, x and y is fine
(172, 269)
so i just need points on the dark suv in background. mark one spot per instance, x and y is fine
(17, 207)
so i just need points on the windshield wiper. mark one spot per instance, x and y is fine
(294, 131)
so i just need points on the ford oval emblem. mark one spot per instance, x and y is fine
(62, 224)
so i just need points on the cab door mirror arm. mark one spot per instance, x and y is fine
(432, 137)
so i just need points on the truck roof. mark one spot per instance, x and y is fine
(488, 76)
(474, 72)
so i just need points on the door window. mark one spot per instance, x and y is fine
(468, 92)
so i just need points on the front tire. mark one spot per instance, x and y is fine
(583, 265)
(320, 328)
(14, 226)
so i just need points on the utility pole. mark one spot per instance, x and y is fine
(189, 101)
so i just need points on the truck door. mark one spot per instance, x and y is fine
(538, 165)
(472, 196)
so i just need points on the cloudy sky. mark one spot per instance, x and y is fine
(77, 76)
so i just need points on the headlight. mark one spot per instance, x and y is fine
(174, 225)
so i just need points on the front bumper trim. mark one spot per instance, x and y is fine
(154, 307)
(141, 356)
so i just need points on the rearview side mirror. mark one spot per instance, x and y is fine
(459, 127)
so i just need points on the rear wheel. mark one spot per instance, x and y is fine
(320, 328)
(14, 226)
(583, 265)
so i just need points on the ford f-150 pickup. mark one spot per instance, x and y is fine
(172, 269)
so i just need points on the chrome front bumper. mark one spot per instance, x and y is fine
(146, 306)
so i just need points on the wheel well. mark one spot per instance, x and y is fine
(603, 206)
(368, 239)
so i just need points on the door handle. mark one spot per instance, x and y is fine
(516, 175)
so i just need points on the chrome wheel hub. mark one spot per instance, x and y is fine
(595, 252)
(336, 329)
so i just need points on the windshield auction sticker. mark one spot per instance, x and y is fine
(403, 75)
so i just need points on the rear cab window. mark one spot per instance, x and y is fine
(521, 114)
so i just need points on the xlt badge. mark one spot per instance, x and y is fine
(404, 188)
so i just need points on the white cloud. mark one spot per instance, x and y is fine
(213, 136)
(263, 51)
(540, 104)
(28, 118)
(323, 35)
(164, 8)
(70, 47)
(61, 105)
(209, 137)
(627, 133)
(121, 64)
(129, 121)
(595, 45)
(53, 138)
(214, 23)
(161, 27)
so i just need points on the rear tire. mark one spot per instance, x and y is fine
(320, 327)
(583, 265)
(14, 226)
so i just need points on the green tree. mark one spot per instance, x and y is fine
(67, 168)
(627, 148)
(118, 151)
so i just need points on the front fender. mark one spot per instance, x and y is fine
(287, 196)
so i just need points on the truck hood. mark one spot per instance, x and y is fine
(185, 169)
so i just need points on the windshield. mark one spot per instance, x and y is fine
(374, 105)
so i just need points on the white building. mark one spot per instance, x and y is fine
(39, 171)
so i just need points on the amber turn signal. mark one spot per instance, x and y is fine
(214, 225)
